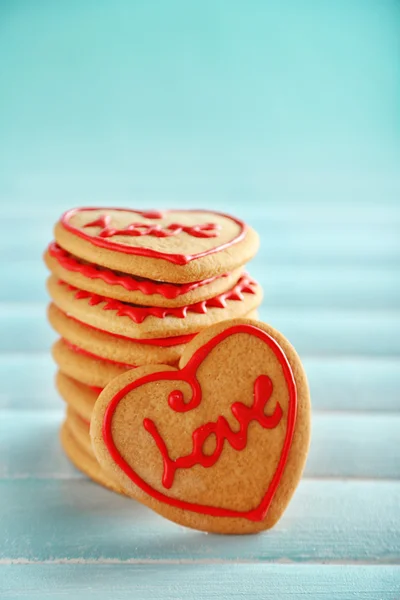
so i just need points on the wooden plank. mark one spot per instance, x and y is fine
(222, 581)
(312, 332)
(343, 445)
(28, 381)
(339, 287)
(30, 446)
(343, 384)
(354, 383)
(327, 521)
(323, 332)
(24, 281)
(355, 445)
(25, 329)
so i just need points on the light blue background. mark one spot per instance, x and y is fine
(285, 113)
(204, 101)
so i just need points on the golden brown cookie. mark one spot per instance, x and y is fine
(135, 290)
(218, 444)
(84, 462)
(117, 347)
(114, 347)
(79, 428)
(81, 366)
(177, 246)
(79, 396)
(154, 322)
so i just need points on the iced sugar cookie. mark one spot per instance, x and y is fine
(79, 428)
(83, 367)
(218, 444)
(154, 322)
(178, 246)
(116, 347)
(135, 290)
(84, 462)
(79, 396)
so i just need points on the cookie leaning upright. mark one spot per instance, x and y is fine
(218, 444)
(177, 246)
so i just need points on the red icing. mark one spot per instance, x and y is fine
(96, 389)
(221, 429)
(238, 440)
(163, 342)
(204, 230)
(146, 286)
(80, 350)
(84, 421)
(105, 242)
(138, 314)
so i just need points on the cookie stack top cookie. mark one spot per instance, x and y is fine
(150, 274)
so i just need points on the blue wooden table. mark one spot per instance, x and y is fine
(333, 288)
(286, 114)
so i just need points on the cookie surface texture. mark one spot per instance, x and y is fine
(83, 461)
(85, 368)
(150, 322)
(79, 396)
(118, 348)
(80, 430)
(219, 444)
(175, 246)
(135, 290)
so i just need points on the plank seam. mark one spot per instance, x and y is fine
(192, 561)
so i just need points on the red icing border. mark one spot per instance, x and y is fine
(139, 313)
(79, 350)
(178, 259)
(188, 374)
(130, 283)
(162, 342)
(95, 389)
(84, 421)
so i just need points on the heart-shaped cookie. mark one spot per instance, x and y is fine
(218, 444)
(178, 246)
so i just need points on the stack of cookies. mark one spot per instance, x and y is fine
(132, 288)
